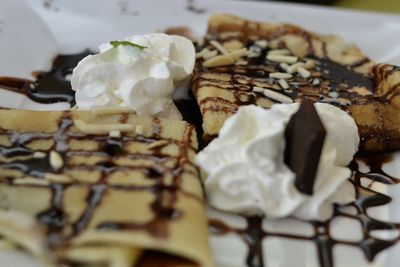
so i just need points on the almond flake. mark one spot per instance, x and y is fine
(56, 161)
(316, 82)
(115, 134)
(277, 96)
(293, 68)
(209, 54)
(309, 64)
(333, 94)
(284, 84)
(303, 72)
(261, 43)
(101, 128)
(284, 66)
(224, 60)
(283, 52)
(39, 155)
(280, 75)
(282, 59)
(218, 61)
(158, 143)
(242, 62)
(219, 47)
(258, 89)
(254, 51)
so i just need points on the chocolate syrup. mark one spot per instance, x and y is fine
(322, 238)
(49, 87)
(191, 113)
(54, 218)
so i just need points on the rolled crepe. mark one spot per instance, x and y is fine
(108, 188)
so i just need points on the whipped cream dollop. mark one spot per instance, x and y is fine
(244, 170)
(142, 79)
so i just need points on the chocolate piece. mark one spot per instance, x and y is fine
(305, 135)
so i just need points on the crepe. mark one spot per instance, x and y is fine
(101, 188)
(242, 62)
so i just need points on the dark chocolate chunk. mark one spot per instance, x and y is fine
(305, 135)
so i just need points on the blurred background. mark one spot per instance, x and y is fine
(391, 6)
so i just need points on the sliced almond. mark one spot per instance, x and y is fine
(115, 134)
(309, 64)
(261, 43)
(280, 75)
(58, 178)
(219, 61)
(56, 161)
(101, 128)
(219, 47)
(283, 83)
(284, 66)
(224, 60)
(233, 45)
(282, 59)
(158, 143)
(283, 52)
(316, 82)
(303, 72)
(238, 53)
(39, 155)
(277, 96)
(210, 54)
(258, 89)
(30, 181)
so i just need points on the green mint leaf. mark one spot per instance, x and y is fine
(118, 43)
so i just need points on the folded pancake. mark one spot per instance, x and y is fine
(242, 62)
(106, 188)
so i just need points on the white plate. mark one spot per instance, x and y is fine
(29, 41)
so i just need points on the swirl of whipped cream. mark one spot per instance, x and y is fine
(140, 79)
(244, 170)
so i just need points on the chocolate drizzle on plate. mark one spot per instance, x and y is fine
(49, 87)
(322, 238)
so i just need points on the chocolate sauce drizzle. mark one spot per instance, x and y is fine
(49, 87)
(56, 219)
(366, 198)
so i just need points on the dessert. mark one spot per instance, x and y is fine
(101, 187)
(242, 62)
(108, 187)
(247, 174)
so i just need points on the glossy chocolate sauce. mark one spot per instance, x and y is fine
(49, 87)
(366, 198)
